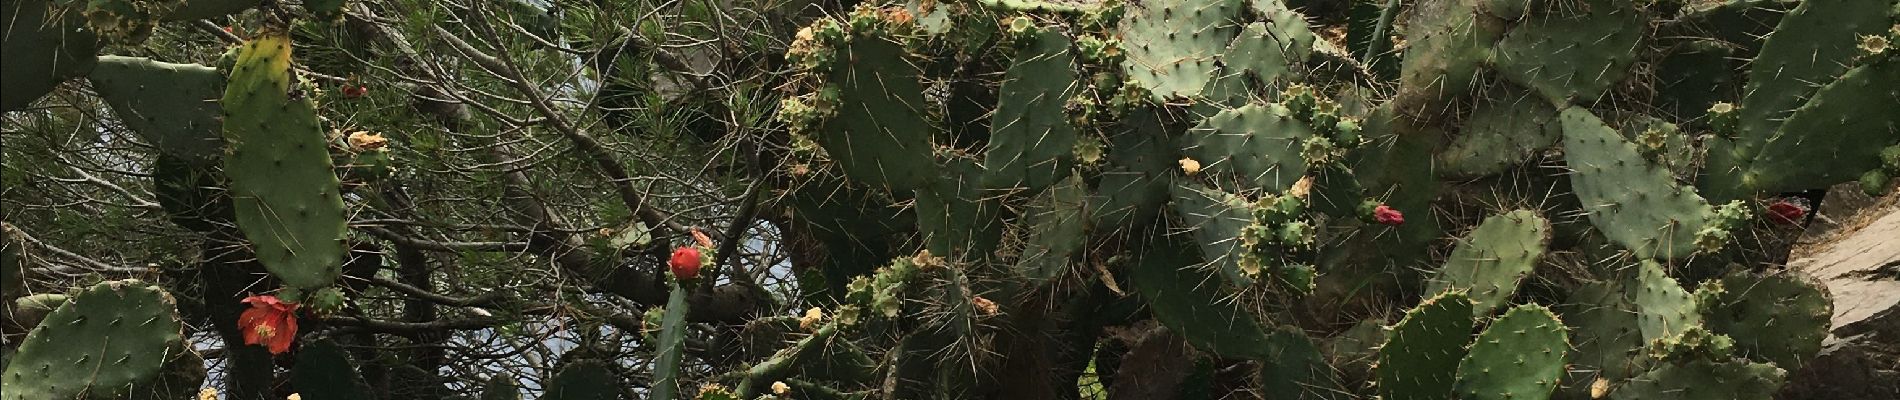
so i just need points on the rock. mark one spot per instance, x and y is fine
(1862, 270)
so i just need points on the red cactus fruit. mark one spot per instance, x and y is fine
(1388, 216)
(1787, 212)
(355, 91)
(685, 263)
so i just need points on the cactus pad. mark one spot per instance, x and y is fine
(584, 380)
(1267, 49)
(1449, 42)
(1704, 380)
(956, 217)
(1779, 318)
(174, 106)
(101, 342)
(1520, 356)
(1031, 140)
(1603, 327)
(40, 52)
(1504, 129)
(1636, 204)
(1255, 146)
(323, 371)
(1834, 137)
(1295, 368)
(1216, 219)
(1813, 44)
(1057, 222)
(1573, 57)
(282, 180)
(1181, 298)
(1421, 354)
(1172, 45)
(1134, 182)
(879, 135)
(1491, 260)
(1663, 308)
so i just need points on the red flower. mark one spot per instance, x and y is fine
(685, 263)
(1388, 216)
(1787, 212)
(355, 91)
(270, 322)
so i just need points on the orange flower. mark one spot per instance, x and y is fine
(701, 239)
(270, 322)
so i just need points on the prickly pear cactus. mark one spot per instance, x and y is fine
(1519, 356)
(282, 180)
(1491, 260)
(174, 106)
(1421, 354)
(107, 341)
(44, 46)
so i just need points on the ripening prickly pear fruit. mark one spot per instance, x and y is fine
(685, 263)
(1787, 211)
(1388, 216)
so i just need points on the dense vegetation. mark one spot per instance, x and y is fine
(1006, 199)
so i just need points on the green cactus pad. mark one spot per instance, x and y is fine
(879, 135)
(101, 343)
(1663, 308)
(1181, 297)
(1491, 260)
(1056, 222)
(1573, 57)
(1604, 330)
(1172, 45)
(1449, 41)
(1704, 380)
(1267, 49)
(127, 21)
(1520, 356)
(41, 53)
(324, 372)
(1833, 138)
(1295, 368)
(173, 106)
(1693, 76)
(1739, 23)
(671, 345)
(1813, 44)
(282, 181)
(1031, 140)
(584, 380)
(1635, 204)
(1134, 183)
(1779, 318)
(1664, 144)
(957, 218)
(1252, 147)
(1216, 219)
(1505, 128)
(1421, 354)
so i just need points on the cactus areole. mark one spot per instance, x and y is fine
(685, 263)
(269, 322)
